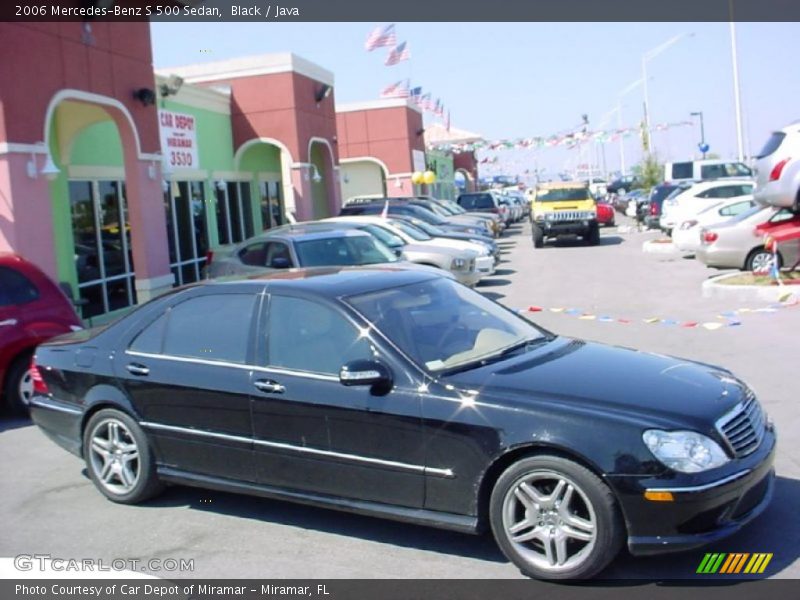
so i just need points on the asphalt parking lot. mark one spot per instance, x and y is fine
(606, 293)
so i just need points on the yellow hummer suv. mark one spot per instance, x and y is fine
(563, 208)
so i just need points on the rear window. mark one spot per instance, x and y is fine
(476, 201)
(561, 194)
(773, 143)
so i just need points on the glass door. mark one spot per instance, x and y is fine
(187, 230)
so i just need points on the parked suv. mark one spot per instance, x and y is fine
(778, 169)
(564, 208)
(32, 310)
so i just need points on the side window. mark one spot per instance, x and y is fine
(729, 191)
(278, 256)
(15, 288)
(712, 193)
(254, 255)
(213, 327)
(307, 336)
(151, 337)
(737, 208)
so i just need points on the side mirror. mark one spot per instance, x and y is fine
(366, 372)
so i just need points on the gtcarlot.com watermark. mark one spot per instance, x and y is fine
(48, 562)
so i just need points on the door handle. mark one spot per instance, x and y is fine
(8, 322)
(269, 386)
(137, 369)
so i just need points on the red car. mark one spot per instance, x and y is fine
(786, 233)
(605, 214)
(32, 310)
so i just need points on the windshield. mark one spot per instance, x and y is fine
(413, 232)
(426, 215)
(442, 325)
(343, 251)
(431, 230)
(561, 194)
(457, 210)
(384, 235)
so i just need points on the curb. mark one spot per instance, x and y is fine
(712, 288)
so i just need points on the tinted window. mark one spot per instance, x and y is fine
(15, 288)
(254, 255)
(476, 201)
(150, 339)
(213, 327)
(308, 336)
(773, 143)
(683, 170)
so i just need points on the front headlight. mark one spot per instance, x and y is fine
(539, 217)
(684, 451)
(459, 264)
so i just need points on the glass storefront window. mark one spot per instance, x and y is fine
(101, 234)
(234, 212)
(271, 204)
(187, 231)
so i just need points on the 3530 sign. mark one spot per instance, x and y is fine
(178, 139)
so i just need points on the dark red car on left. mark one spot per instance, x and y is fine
(33, 309)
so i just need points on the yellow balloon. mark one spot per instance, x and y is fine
(429, 177)
(416, 177)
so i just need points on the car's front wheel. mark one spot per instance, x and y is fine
(19, 385)
(555, 519)
(118, 458)
(538, 237)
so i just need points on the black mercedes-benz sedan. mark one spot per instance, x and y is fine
(407, 395)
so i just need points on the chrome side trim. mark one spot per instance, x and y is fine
(447, 473)
(42, 402)
(704, 487)
(222, 363)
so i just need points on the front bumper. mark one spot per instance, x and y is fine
(485, 265)
(468, 278)
(554, 228)
(702, 511)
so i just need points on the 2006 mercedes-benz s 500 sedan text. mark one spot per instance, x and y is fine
(407, 395)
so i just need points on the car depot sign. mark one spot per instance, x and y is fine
(178, 133)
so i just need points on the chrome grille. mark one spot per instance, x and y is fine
(743, 427)
(570, 215)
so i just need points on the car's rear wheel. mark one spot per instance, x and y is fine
(760, 260)
(538, 237)
(555, 519)
(119, 459)
(18, 388)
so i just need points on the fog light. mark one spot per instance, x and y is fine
(654, 496)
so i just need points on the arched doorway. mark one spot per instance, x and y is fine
(108, 224)
(268, 164)
(320, 173)
(365, 176)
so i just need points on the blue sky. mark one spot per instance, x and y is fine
(535, 79)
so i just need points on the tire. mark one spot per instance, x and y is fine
(545, 491)
(758, 256)
(593, 237)
(18, 387)
(538, 237)
(120, 465)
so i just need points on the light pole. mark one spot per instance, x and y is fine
(737, 96)
(647, 56)
(702, 146)
(628, 89)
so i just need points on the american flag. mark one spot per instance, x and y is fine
(415, 93)
(381, 37)
(396, 90)
(397, 54)
(439, 109)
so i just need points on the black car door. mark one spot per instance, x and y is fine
(187, 374)
(314, 434)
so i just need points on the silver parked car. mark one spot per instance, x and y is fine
(735, 244)
(778, 169)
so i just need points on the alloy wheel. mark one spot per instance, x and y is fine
(25, 388)
(114, 456)
(550, 521)
(761, 262)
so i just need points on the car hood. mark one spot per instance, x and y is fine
(433, 247)
(661, 390)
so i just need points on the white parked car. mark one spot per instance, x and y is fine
(686, 236)
(778, 169)
(420, 243)
(700, 196)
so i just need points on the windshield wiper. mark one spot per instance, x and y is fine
(504, 353)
